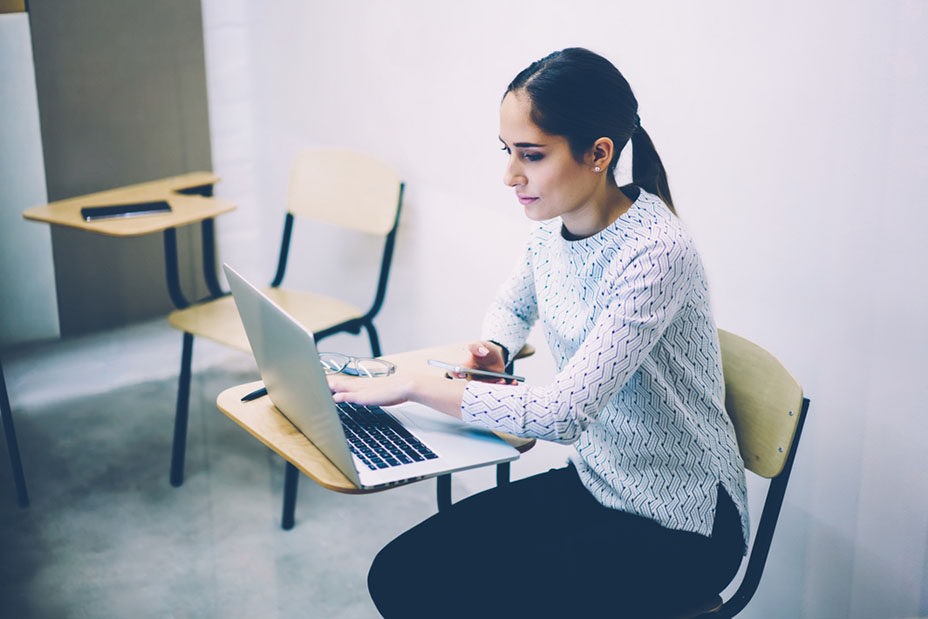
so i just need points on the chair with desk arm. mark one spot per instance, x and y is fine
(343, 188)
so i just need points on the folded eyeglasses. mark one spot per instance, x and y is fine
(337, 363)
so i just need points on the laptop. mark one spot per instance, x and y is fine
(374, 447)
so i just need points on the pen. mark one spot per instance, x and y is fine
(254, 395)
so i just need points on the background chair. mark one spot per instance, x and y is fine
(766, 405)
(16, 464)
(340, 187)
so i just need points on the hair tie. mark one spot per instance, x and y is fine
(637, 124)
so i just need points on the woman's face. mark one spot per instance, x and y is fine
(547, 179)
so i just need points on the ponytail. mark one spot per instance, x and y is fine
(647, 170)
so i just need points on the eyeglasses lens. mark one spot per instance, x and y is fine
(333, 363)
(373, 367)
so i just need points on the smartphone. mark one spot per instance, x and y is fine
(458, 369)
(92, 213)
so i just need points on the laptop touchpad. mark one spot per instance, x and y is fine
(424, 418)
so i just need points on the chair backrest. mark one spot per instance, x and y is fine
(767, 408)
(763, 400)
(346, 188)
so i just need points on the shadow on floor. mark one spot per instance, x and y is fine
(107, 536)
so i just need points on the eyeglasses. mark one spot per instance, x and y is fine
(335, 363)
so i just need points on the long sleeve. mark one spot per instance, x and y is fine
(639, 391)
(515, 309)
(642, 297)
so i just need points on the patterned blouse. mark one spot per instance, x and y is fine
(639, 391)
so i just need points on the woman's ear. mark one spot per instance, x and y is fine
(601, 154)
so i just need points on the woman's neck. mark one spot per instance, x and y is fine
(603, 209)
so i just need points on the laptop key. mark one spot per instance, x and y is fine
(412, 453)
(377, 436)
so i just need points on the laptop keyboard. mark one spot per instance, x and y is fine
(378, 439)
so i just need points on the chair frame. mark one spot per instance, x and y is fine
(179, 445)
(291, 473)
(16, 463)
(366, 321)
(763, 538)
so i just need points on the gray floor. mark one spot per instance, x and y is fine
(107, 536)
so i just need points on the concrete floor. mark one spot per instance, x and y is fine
(107, 536)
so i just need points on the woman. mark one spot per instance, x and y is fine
(653, 499)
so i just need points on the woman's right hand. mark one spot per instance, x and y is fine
(484, 355)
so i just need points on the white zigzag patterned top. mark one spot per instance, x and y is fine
(639, 389)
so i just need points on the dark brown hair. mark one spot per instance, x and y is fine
(582, 96)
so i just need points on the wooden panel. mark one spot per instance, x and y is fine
(763, 400)
(345, 188)
(121, 90)
(12, 6)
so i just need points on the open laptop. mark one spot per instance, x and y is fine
(374, 447)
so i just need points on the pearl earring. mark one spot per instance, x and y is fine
(596, 169)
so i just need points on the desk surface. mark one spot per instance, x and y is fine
(268, 425)
(185, 209)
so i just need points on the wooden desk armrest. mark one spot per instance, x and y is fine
(185, 209)
(521, 444)
(526, 351)
(265, 422)
(262, 419)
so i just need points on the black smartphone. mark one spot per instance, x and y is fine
(482, 373)
(136, 209)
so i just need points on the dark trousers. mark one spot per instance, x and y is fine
(544, 547)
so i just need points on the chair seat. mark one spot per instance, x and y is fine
(218, 320)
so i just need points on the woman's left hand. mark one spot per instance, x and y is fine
(379, 391)
(434, 391)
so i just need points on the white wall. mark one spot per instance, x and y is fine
(796, 141)
(29, 310)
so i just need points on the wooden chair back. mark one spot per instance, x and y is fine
(766, 405)
(344, 188)
(763, 400)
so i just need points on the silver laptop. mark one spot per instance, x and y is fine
(373, 447)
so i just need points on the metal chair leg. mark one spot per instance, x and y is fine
(291, 480)
(171, 269)
(19, 478)
(443, 488)
(179, 448)
(375, 341)
(502, 473)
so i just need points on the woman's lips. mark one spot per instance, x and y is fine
(525, 200)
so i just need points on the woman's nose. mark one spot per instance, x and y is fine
(513, 176)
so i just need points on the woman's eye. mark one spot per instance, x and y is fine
(505, 149)
(533, 156)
